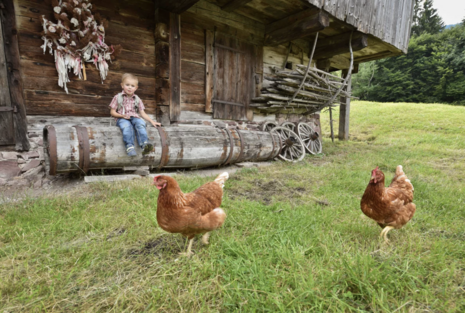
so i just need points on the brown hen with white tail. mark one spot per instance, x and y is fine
(391, 207)
(191, 213)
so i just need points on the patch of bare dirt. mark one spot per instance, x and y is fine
(51, 186)
(266, 192)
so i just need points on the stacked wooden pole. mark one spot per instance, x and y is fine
(315, 94)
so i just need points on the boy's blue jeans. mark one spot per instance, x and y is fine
(129, 126)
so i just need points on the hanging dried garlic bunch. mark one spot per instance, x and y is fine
(77, 37)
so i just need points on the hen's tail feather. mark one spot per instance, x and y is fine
(221, 179)
(401, 181)
(212, 220)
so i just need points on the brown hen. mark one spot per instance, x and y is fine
(191, 213)
(391, 207)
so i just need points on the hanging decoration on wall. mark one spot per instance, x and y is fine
(77, 37)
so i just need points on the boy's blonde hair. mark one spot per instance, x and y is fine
(130, 76)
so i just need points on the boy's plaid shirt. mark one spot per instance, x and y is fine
(128, 105)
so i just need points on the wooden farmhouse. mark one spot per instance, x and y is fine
(197, 61)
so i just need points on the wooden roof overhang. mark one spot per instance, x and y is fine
(381, 27)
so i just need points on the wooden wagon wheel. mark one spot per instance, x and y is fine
(268, 125)
(292, 149)
(310, 138)
(289, 125)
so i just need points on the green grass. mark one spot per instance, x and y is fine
(279, 250)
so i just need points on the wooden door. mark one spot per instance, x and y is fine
(233, 78)
(7, 132)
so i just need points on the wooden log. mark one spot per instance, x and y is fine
(302, 93)
(298, 29)
(12, 57)
(295, 83)
(284, 98)
(299, 105)
(317, 70)
(175, 147)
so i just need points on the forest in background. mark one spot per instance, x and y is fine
(432, 71)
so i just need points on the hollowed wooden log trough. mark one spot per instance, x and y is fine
(80, 148)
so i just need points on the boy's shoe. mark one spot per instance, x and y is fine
(147, 148)
(131, 152)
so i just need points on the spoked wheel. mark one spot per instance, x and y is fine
(292, 149)
(289, 125)
(267, 126)
(310, 138)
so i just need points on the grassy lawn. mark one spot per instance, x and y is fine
(101, 250)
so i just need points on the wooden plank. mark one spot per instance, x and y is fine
(175, 66)
(193, 107)
(258, 53)
(219, 70)
(192, 34)
(193, 53)
(177, 6)
(91, 87)
(192, 93)
(12, 57)
(7, 132)
(251, 34)
(234, 5)
(291, 19)
(217, 45)
(130, 38)
(193, 73)
(298, 29)
(340, 45)
(52, 103)
(209, 69)
(134, 13)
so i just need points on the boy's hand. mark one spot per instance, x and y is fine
(126, 117)
(155, 124)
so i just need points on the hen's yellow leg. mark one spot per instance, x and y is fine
(384, 233)
(189, 248)
(205, 238)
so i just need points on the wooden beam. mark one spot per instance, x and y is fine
(209, 70)
(162, 66)
(12, 56)
(175, 66)
(339, 44)
(175, 6)
(7, 130)
(344, 111)
(295, 26)
(377, 56)
(234, 5)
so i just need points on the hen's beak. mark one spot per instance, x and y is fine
(155, 180)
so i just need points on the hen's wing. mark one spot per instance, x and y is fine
(209, 196)
(400, 187)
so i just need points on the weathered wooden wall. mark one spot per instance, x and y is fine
(206, 19)
(130, 24)
(389, 20)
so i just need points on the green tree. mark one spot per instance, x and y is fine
(426, 19)
(416, 17)
(432, 71)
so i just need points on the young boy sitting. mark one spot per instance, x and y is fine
(126, 108)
